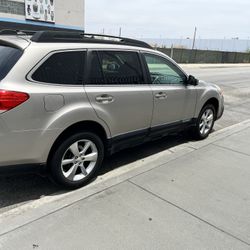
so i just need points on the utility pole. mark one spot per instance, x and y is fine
(172, 51)
(120, 32)
(194, 39)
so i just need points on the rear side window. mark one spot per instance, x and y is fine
(62, 68)
(8, 58)
(115, 67)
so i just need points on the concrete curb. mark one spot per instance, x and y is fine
(33, 211)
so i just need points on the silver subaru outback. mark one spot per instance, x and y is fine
(67, 99)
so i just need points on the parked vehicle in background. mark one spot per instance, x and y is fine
(68, 99)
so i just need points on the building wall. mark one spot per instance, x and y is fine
(69, 15)
(70, 12)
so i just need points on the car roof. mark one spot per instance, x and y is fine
(21, 42)
(69, 46)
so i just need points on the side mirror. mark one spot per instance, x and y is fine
(192, 81)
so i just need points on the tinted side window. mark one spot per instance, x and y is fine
(62, 68)
(95, 72)
(163, 71)
(115, 67)
(8, 58)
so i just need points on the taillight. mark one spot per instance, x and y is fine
(11, 99)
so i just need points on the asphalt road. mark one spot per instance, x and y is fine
(235, 82)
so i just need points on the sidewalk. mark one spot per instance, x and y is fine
(195, 198)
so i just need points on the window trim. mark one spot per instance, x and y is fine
(46, 57)
(143, 53)
(144, 73)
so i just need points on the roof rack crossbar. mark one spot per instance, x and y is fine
(81, 37)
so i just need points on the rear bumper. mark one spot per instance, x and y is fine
(25, 148)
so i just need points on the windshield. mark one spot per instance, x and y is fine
(8, 58)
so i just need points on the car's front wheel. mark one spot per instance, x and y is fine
(76, 160)
(205, 122)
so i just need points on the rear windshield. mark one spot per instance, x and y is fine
(8, 58)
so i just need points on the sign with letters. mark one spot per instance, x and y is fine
(40, 10)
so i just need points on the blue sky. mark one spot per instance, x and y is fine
(169, 18)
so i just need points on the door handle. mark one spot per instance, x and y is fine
(161, 95)
(104, 99)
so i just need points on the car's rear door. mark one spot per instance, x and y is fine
(118, 93)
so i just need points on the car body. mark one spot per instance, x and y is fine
(123, 107)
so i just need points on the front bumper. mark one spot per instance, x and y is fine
(221, 108)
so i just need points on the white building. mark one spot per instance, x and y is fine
(42, 14)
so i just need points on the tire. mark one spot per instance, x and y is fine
(207, 118)
(76, 160)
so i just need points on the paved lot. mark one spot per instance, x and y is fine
(235, 81)
(195, 200)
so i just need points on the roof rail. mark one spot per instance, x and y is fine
(11, 32)
(81, 37)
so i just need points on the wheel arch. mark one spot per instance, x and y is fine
(213, 101)
(90, 126)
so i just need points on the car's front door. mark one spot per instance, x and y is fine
(118, 93)
(174, 100)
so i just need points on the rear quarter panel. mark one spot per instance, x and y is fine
(30, 129)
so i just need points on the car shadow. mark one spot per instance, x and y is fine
(137, 153)
(18, 189)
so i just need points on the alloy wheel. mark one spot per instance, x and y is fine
(206, 122)
(79, 160)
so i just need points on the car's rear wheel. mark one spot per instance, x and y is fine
(77, 159)
(205, 122)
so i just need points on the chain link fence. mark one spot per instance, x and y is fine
(205, 56)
